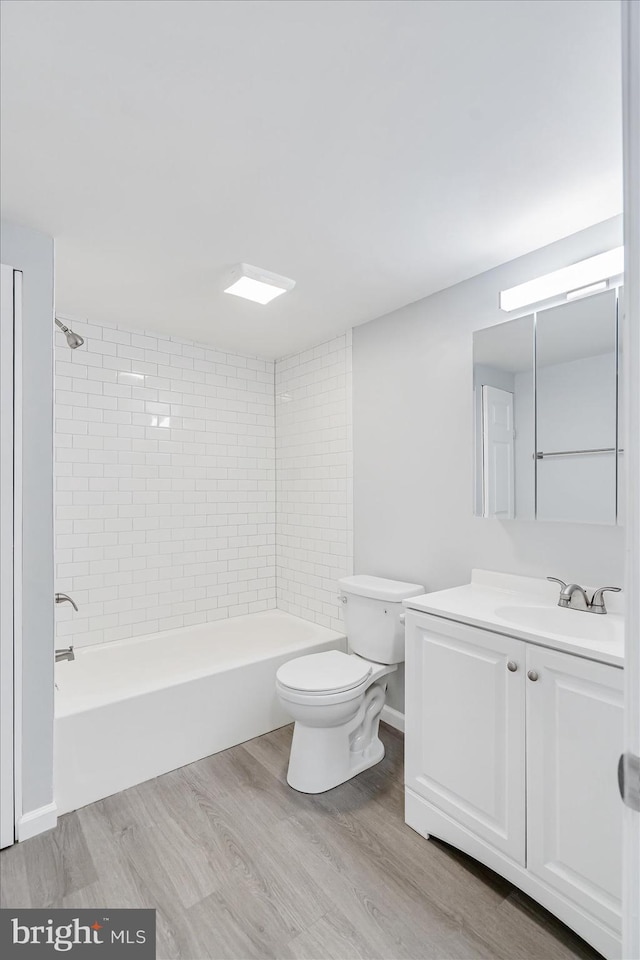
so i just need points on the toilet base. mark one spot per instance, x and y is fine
(317, 781)
(324, 757)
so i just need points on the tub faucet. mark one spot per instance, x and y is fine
(574, 597)
(65, 653)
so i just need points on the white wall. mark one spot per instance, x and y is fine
(32, 253)
(413, 444)
(165, 484)
(314, 480)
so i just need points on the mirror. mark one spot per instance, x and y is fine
(504, 415)
(576, 403)
(545, 407)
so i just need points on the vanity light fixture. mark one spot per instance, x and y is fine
(256, 284)
(585, 291)
(573, 280)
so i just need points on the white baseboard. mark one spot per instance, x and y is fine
(393, 717)
(37, 821)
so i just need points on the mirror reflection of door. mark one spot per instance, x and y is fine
(498, 453)
(504, 420)
(576, 410)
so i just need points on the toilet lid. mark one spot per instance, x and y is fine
(329, 672)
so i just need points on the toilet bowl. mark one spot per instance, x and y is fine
(336, 698)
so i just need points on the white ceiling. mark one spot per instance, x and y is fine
(373, 150)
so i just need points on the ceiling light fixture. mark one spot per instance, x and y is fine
(574, 278)
(256, 284)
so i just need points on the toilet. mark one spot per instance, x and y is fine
(336, 698)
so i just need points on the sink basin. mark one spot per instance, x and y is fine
(564, 623)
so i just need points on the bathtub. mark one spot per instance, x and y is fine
(129, 710)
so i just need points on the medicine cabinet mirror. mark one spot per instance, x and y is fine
(546, 414)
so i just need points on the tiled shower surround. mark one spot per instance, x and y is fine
(314, 480)
(165, 486)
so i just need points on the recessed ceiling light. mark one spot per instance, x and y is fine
(604, 266)
(256, 284)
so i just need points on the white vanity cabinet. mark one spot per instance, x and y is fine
(464, 728)
(511, 755)
(574, 730)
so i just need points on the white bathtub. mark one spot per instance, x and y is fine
(130, 710)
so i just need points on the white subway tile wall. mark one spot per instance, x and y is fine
(165, 484)
(314, 480)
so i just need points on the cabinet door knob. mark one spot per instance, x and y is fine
(512, 666)
(533, 675)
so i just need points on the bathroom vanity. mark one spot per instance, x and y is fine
(514, 722)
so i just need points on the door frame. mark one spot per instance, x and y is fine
(12, 340)
(631, 326)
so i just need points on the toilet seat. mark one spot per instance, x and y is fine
(322, 674)
(321, 700)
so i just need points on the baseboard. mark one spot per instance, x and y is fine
(393, 717)
(37, 821)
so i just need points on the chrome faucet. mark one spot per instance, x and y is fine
(66, 653)
(574, 597)
(597, 600)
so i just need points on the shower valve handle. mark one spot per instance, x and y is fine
(63, 598)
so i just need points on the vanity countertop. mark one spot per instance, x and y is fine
(526, 608)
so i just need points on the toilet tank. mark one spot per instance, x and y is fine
(372, 608)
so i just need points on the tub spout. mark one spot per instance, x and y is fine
(65, 653)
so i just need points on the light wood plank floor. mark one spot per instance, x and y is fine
(238, 865)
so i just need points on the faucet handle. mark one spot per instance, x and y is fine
(598, 597)
(555, 580)
(65, 598)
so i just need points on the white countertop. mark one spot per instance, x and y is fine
(526, 608)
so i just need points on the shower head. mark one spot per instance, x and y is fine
(73, 339)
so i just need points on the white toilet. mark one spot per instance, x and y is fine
(336, 698)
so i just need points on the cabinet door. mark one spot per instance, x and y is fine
(464, 738)
(574, 812)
